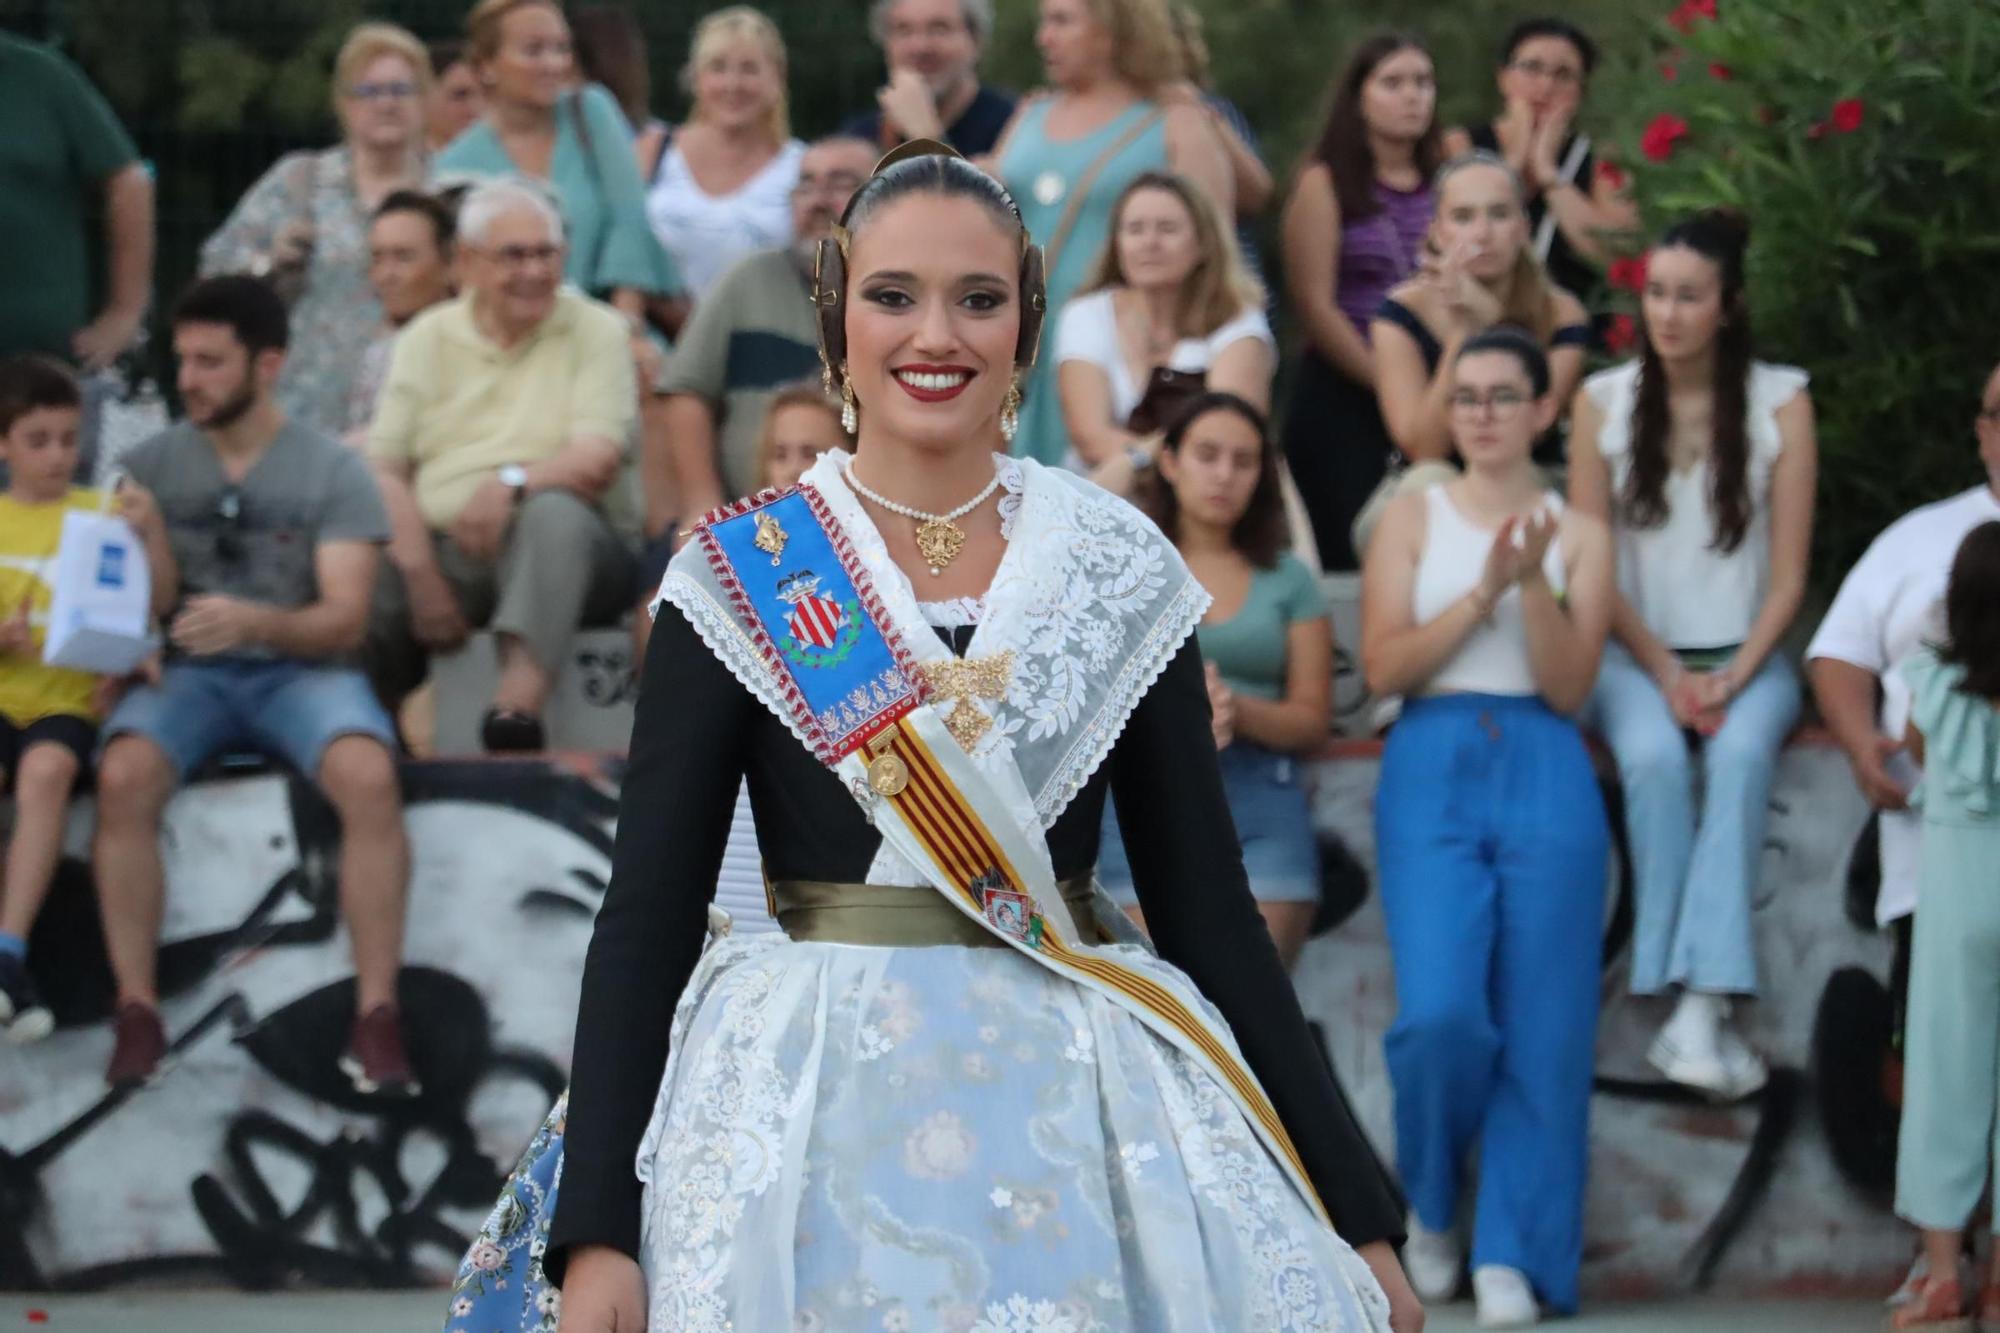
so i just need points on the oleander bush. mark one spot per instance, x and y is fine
(1862, 139)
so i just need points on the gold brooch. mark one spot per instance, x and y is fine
(963, 681)
(770, 537)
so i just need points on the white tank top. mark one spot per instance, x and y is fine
(1494, 657)
(706, 234)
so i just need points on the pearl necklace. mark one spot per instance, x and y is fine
(939, 539)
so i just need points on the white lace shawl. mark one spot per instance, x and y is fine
(1091, 597)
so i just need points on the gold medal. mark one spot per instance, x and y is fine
(888, 775)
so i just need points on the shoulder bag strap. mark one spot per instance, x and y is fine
(1081, 190)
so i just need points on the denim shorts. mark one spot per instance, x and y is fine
(292, 710)
(1273, 822)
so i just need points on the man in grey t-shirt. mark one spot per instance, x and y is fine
(275, 531)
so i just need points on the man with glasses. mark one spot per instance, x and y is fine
(500, 439)
(274, 531)
(749, 337)
(933, 49)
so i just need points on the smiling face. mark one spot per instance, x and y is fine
(1495, 415)
(932, 39)
(1545, 72)
(1214, 472)
(535, 63)
(515, 269)
(1683, 302)
(933, 315)
(736, 83)
(383, 106)
(1399, 96)
(408, 269)
(1157, 243)
(1075, 47)
(1479, 208)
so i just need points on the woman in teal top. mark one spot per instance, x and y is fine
(1120, 108)
(574, 141)
(1268, 647)
(1951, 1080)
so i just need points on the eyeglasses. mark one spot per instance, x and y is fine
(229, 525)
(842, 183)
(1563, 76)
(520, 256)
(1503, 402)
(937, 31)
(382, 92)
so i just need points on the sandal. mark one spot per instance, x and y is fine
(504, 731)
(1936, 1306)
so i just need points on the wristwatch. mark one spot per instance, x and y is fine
(515, 478)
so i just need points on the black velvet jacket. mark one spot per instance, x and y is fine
(698, 731)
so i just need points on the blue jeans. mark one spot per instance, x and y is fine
(1273, 819)
(293, 710)
(1492, 846)
(1693, 876)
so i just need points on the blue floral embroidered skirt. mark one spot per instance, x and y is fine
(945, 1139)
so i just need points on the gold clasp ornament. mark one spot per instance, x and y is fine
(964, 681)
(771, 538)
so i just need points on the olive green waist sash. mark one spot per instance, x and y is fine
(890, 916)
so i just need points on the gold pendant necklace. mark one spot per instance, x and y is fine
(939, 538)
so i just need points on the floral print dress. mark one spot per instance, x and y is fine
(334, 311)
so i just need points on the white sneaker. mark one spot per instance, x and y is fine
(1433, 1261)
(1744, 1068)
(1504, 1298)
(1688, 1049)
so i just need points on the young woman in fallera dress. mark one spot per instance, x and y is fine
(944, 1098)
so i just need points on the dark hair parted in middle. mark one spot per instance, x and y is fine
(1972, 612)
(1261, 534)
(922, 167)
(1343, 141)
(1720, 236)
(1517, 343)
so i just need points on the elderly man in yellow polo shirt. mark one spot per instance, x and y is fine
(501, 439)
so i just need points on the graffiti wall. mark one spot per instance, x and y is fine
(251, 1162)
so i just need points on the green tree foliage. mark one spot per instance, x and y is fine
(1858, 136)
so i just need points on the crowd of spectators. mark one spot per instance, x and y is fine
(476, 367)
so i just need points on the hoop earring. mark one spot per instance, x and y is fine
(1010, 410)
(850, 411)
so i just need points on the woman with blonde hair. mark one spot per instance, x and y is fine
(1168, 311)
(1479, 272)
(1116, 111)
(304, 225)
(575, 141)
(724, 185)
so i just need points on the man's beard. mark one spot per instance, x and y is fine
(233, 408)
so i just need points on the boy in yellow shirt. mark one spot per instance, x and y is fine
(48, 715)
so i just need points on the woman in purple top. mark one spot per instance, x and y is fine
(1353, 229)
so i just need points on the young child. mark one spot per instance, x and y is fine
(1952, 1084)
(48, 715)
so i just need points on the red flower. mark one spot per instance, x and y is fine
(1621, 334)
(1611, 173)
(1629, 274)
(1669, 72)
(1847, 113)
(1660, 137)
(1690, 12)
(1720, 72)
